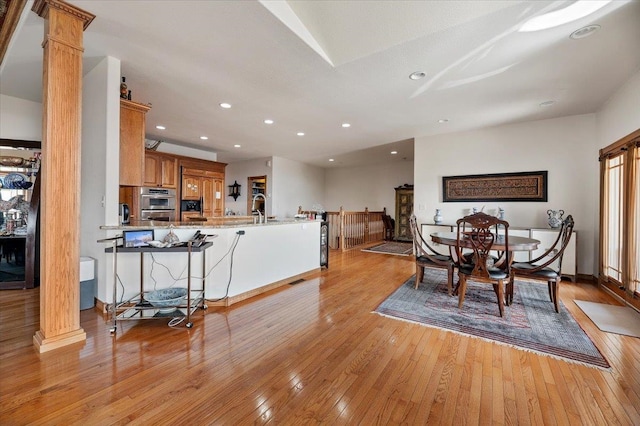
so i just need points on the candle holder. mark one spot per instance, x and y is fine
(234, 190)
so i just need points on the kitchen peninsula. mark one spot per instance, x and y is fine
(246, 258)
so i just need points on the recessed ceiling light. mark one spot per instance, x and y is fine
(300, 133)
(160, 127)
(573, 12)
(547, 103)
(443, 120)
(236, 146)
(417, 75)
(268, 121)
(204, 138)
(225, 105)
(331, 159)
(584, 32)
(345, 125)
(394, 152)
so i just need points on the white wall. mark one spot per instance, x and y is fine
(296, 184)
(186, 151)
(240, 171)
(620, 115)
(100, 162)
(355, 188)
(562, 146)
(20, 119)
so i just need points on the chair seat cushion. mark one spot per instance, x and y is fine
(440, 257)
(524, 268)
(494, 273)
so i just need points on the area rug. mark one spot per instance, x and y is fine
(612, 318)
(393, 247)
(529, 323)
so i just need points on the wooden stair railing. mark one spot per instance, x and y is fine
(351, 229)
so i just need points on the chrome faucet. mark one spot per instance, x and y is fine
(253, 207)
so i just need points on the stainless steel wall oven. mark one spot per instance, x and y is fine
(157, 204)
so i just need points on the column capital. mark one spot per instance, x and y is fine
(41, 7)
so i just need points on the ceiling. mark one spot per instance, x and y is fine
(312, 65)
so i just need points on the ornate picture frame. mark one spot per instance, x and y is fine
(520, 186)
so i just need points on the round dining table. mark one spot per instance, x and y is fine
(515, 243)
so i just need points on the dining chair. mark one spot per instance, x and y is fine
(545, 267)
(427, 257)
(389, 227)
(479, 232)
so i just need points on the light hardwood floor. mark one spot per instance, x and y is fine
(308, 353)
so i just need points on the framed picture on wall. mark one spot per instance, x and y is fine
(521, 186)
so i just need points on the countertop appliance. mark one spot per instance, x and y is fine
(157, 204)
(123, 213)
(191, 206)
(324, 244)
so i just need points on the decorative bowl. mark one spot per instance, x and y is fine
(166, 297)
(11, 161)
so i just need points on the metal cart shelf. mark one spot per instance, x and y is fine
(137, 308)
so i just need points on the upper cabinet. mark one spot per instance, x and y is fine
(203, 180)
(160, 170)
(132, 133)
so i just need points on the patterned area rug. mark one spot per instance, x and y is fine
(530, 323)
(393, 247)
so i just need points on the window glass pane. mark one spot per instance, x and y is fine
(613, 262)
(636, 279)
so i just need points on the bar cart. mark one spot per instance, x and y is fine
(138, 307)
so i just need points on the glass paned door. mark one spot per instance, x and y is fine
(614, 190)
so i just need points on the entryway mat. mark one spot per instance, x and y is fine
(612, 318)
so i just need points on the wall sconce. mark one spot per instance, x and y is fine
(234, 190)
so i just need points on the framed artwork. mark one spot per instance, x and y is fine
(521, 186)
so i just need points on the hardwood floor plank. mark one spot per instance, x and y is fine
(313, 353)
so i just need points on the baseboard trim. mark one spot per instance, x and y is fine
(104, 307)
(101, 306)
(260, 290)
(586, 277)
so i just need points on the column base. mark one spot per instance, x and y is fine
(47, 344)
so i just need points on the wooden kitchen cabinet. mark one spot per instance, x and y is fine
(210, 189)
(132, 132)
(218, 197)
(191, 187)
(160, 170)
(213, 203)
(201, 178)
(208, 196)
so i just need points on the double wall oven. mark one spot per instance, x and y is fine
(157, 204)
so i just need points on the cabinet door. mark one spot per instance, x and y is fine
(168, 172)
(208, 197)
(404, 207)
(218, 197)
(132, 131)
(152, 167)
(186, 215)
(191, 188)
(547, 237)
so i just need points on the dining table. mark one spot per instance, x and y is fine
(515, 244)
